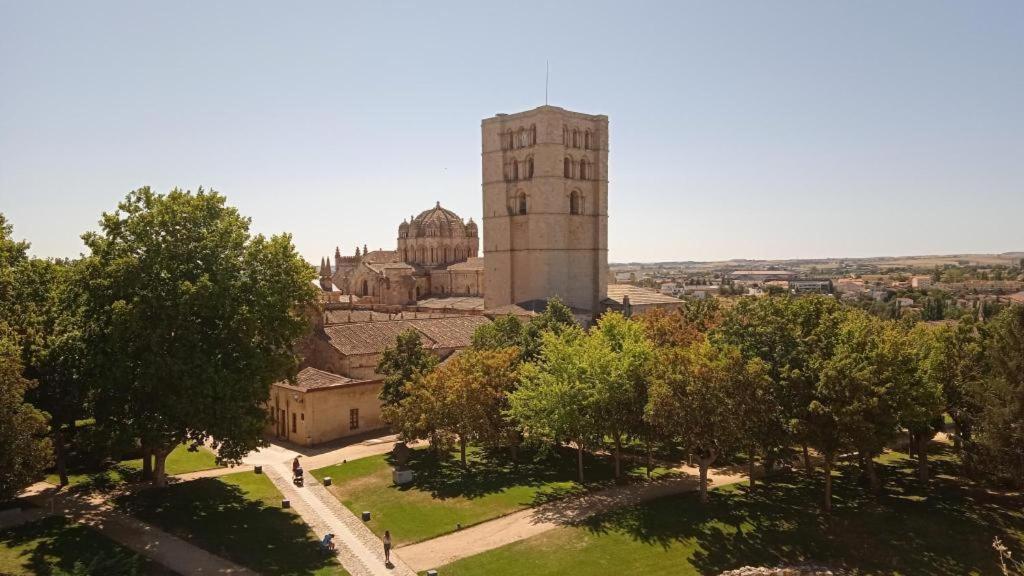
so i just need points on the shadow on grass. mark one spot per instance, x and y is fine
(946, 530)
(56, 545)
(552, 472)
(220, 518)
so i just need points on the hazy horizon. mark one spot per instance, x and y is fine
(739, 130)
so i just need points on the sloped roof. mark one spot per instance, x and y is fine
(638, 296)
(314, 379)
(374, 337)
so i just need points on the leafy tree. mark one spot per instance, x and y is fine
(956, 362)
(866, 382)
(25, 451)
(402, 364)
(504, 332)
(923, 403)
(692, 398)
(1001, 426)
(557, 399)
(464, 398)
(622, 390)
(188, 319)
(556, 318)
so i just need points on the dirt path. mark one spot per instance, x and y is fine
(443, 550)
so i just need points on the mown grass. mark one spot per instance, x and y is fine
(444, 495)
(946, 530)
(55, 545)
(239, 517)
(181, 460)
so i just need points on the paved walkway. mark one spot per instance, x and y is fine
(359, 550)
(443, 550)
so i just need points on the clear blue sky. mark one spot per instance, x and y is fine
(738, 129)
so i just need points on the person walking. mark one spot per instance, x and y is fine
(387, 548)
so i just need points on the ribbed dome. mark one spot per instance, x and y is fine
(437, 221)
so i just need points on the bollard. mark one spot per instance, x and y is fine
(257, 469)
(327, 480)
(286, 503)
(366, 516)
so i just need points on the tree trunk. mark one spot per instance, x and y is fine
(618, 456)
(60, 455)
(828, 483)
(160, 467)
(807, 460)
(911, 442)
(462, 449)
(869, 467)
(702, 464)
(650, 457)
(579, 459)
(147, 463)
(922, 458)
(750, 467)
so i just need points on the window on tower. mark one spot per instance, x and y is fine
(574, 202)
(583, 169)
(522, 202)
(529, 167)
(567, 171)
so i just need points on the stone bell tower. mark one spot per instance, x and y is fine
(545, 205)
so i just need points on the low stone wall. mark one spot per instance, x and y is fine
(787, 571)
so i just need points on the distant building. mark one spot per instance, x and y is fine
(759, 276)
(631, 300)
(669, 288)
(811, 286)
(921, 282)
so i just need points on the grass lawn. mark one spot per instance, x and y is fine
(239, 517)
(179, 461)
(947, 531)
(55, 544)
(443, 495)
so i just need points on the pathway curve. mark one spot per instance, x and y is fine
(359, 550)
(96, 511)
(524, 524)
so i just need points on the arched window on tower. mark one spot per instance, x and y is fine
(508, 139)
(522, 138)
(522, 202)
(574, 203)
(586, 140)
(533, 135)
(567, 171)
(515, 170)
(565, 135)
(583, 169)
(575, 139)
(529, 167)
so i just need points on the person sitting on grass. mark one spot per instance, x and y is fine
(328, 542)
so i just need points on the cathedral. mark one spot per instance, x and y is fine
(545, 235)
(545, 227)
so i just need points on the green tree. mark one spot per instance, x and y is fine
(504, 332)
(557, 399)
(402, 364)
(956, 363)
(621, 391)
(692, 398)
(25, 451)
(556, 318)
(923, 402)
(464, 398)
(188, 319)
(865, 383)
(1001, 425)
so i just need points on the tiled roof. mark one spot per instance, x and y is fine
(374, 337)
(381, 256)
(453, 303)
(509, 310)
(638, 296)
(381, 266)
(469, 264)
(313, 379)
(451, 332)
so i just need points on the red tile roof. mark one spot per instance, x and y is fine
(314, 379)
(374, 337)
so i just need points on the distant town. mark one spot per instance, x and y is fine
(930, 288)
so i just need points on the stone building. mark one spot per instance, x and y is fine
(545, 204)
